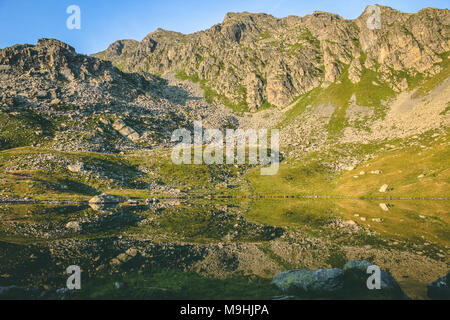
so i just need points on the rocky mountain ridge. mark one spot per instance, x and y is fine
(255, 60)
(52, 96)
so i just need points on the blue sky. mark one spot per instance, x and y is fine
(105, 21)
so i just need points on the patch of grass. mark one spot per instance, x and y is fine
(264, 36)
(306, 178)
(371, 95)
(401, 170)
(23, 129)
(308, 36)
(301, 103)
(447, 110)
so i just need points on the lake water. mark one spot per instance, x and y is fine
(219, 249)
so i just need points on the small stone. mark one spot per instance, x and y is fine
(74, 226)
(75, 168)
(42, 94)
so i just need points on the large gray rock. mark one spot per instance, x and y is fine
(310, 282)
(440, 290)
(104, 198)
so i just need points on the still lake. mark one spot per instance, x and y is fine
(218, 249)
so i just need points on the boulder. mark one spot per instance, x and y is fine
(356, 276)
(320, 282)
(42, 94)
(384, 207)
(55, 102)
(119, 124)
(103, 198)
(75, 167)
(384, 188)
(440, 290)
(128, 132)
(74, 226)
